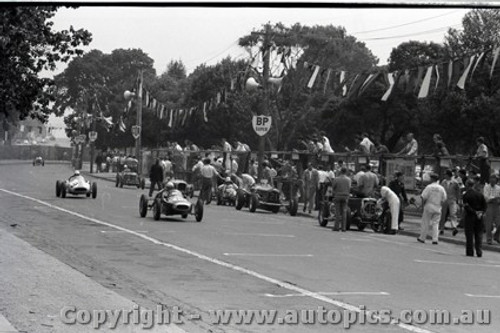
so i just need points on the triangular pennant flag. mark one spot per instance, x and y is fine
(186, 112)
(437, 76)
(343, 83)
(171, 118)
(419, 78)
(205, 118)
(328, 74)
(218, 98)
(496, 52)
(479, 60)
(359, 79)
(461, 81)
(314, 75)
(121, 125)
(391, 81)
(426, 83)
(368, 82)
(450, 72)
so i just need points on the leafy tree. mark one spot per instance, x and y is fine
(410, 55)
(29, 45)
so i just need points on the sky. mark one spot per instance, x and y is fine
(198, 35)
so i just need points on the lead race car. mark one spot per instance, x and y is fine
(38, 161)
(169, 202)
(76, 185)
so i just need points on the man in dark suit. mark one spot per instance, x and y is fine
(475, 205)
(397, 186)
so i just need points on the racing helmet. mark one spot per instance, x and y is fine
(77, 173)
(169, 186)
(228, 180)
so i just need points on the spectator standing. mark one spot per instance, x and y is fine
(450, 206)
(368, 182)
(474, 206)
(98, 162)
(411, 148)
(491, 193)
(168, 168)
(433, 198)
(155, 176)
(341, 187)
(366, 145)
(208, 174)
(482, 156)
(310, 186)
(327, 148)
(322, 184)
(398, 187)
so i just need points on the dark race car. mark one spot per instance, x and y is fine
(183, 186)
(169, 203)
(38, 161)
(267, 197)
(76, 185)
(129, 177)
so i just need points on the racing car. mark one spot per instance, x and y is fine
(169, 202)
(267, 197)
(227, 193)
(129, 177)
(76, 185)
(183, 186)
(38, 161)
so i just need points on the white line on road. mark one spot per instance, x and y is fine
(266, 255)
(335, 293)
(258, 235)
(483, 296)
(282, 284)
(117, 231)
(357, 239)
(454, 263)
(5, 326)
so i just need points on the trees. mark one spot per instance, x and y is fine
(28, 45)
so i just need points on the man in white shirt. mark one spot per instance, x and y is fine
(450, 206)
(326, 143)
(322, 183)
(411, 148)
(367, 182)
(433, 198)
(366, 144)
(491, 193)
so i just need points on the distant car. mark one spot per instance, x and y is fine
(266, 197)
(183, 186)
(226, 195)
(129, 177)
(76, 185)
(38, 161)
(170, 203)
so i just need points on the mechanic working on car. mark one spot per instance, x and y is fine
(392, 199)
(155, 176)
(341, 187)
(367, 182)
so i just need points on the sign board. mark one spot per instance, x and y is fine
(136, 131)
(92, 136)
(406, 166)
(261, 124)
(80, 138)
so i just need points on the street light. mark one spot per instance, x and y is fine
(137, 128)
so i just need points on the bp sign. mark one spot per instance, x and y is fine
(261, 124)
(92, 136)
(136, 131)
(80, 138)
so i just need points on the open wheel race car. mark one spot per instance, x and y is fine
(76, 185)
(183, 186)
(129, 177)
(38, 161)
(266, 197)
(170, 202)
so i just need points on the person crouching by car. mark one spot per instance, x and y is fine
(208, 174)
(228, 186)
(392, 199)
(155, 176)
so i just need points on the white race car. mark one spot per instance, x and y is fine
(76, 185)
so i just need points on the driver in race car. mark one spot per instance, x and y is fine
(170, 190)
(75, 175)
(228, 186)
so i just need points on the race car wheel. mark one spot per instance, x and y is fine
(33, 163)
(143, 205)
(276, 209)
(58, 189)
(198, 210)
(117, 181)
(157, 209)
(191, 193)
(121, 183)
(349, 219)
(94, 190)
(63, 191)
(323, 214)
(43, 163)
(143, 184)
(361, 226)
(219, 200)
(240, 201)
(293, 207)
(184, 216)
(88, 194)
(254, 202)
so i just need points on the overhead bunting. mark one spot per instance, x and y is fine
(461, 82)
(426, 83)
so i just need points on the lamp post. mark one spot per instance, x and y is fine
(137, 128)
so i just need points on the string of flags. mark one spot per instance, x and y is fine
(420, 81)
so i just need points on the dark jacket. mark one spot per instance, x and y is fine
(156, 173)
(473, 202)
(399, 188)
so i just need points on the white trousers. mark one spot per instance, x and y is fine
(430, 217)
(394, 207)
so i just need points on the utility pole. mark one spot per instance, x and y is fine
(265, 85)
(138, 142)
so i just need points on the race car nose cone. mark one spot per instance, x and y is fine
(182, 207)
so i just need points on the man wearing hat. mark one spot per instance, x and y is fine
(491, 192)
(433, 197)
(474, 206)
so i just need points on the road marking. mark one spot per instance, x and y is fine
(259, 235)
(117, 231)
(455, 263)
(483, 296)
(5, 326)
(410, 245)
(279, 283)
(266, 255)
(335, 293)
(357, 239)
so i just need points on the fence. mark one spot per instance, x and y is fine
(28, 152)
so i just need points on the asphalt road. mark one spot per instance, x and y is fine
(230, 260)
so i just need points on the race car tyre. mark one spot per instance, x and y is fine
(33, 163)
(219, 200)
(386, 222)
(240, 201)
(143, 184)
(361, 226)
(198, 210)
(117, 181)
(157, 209)
(191, 194)
(63, 191)
(254, 202)
(293, 207)
(94, 190)
(184, 216)
(88, 194)
(349, 219)
(43, 163)
(276, 209)
(323, 214)
(58, 189)
(121, 183)
(143, 205)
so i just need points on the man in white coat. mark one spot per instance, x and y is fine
(433, 197)
(392, 199)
